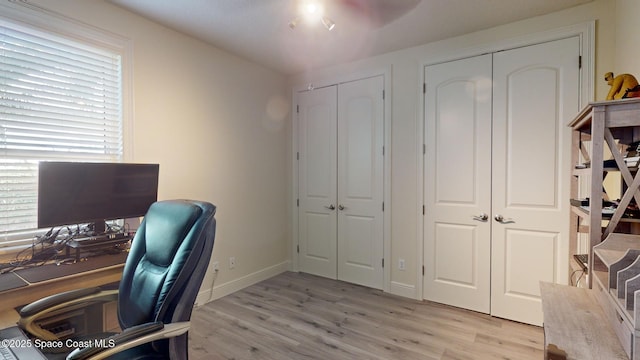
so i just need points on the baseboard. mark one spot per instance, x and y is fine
(206, 295)
(402, 289)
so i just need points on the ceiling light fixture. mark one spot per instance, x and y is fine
(311, 12)
(328, 23)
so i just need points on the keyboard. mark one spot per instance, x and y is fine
(16, 336)
(6, 354)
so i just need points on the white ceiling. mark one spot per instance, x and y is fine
(258, 29)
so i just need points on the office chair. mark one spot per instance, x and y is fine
(168, 258)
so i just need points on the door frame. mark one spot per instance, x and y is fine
(586, 33)
(321, 82)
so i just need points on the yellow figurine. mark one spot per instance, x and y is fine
(622, 86)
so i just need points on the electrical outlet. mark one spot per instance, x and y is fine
(401, 264)
(215, 265)
(232, 262)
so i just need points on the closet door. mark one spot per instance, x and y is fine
(457, 233)
(536, 92)
(341, 174)
(509, 163)
(360, 181)
(317, 237)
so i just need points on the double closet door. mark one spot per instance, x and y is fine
(496, 177)
(340, 164)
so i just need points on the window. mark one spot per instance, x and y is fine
(60, 99)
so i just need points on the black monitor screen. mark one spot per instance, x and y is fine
(78, 193)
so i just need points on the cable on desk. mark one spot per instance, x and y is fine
(582, 272)
(49, 246)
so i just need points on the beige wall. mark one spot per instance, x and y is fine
(201, 113)
(627, 38)
(406, 84)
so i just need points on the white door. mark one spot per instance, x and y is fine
(457, 234)
(360, 181)
(503, 147)
(536, 93)
(341, 138)
(317, 238)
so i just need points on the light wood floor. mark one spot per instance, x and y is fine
(300, 316)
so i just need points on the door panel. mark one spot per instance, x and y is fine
(456, 140)
(318, 181)
(318, 248)
(360, 181)
(533, 89)
(357, 251)
(536, 91)
(451, 238)
(458, 183)
(523, 270)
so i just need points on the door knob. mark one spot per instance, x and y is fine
(330, 207)
(481, 217)
(501, 219)
(340, 207)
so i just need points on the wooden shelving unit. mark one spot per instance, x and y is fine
(607, 123)
(614, 257)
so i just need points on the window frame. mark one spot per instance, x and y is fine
(23, 15)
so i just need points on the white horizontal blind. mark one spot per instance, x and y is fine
(59, 100)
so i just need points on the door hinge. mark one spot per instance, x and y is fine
(298, 202)
(383, 151)
(383, 206)
(298, 249)
(424, 149)
(382, 94)
(580, 62)
(424, 87)
(422, 270)
(298, 108)
(382, 262)
(298, 155)
(423, 209)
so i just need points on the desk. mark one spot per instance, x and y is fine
(575, 325)
(34, 291)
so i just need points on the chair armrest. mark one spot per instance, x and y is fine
(56, 299)
(129, 338)
(69, 300)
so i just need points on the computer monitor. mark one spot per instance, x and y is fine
(72, 193)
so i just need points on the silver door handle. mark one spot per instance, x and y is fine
(481, 217)
(340, 207)
(330, 207)
(501, 219)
